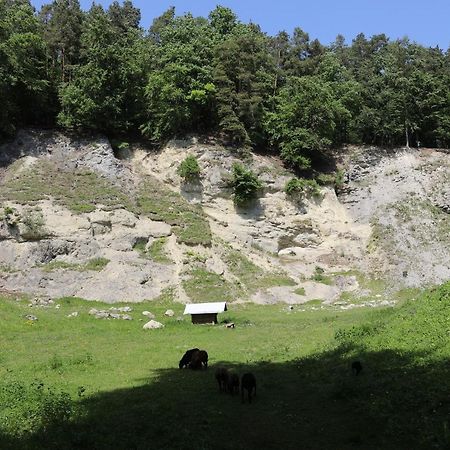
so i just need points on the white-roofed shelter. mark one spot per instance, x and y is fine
(205, 312)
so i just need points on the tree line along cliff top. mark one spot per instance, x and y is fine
(99, 70)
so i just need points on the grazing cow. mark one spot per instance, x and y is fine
(187, 357)
(233, 383)
(356, 367)
(199, 360)
(222, 378)
(248, 383)
(203, 354)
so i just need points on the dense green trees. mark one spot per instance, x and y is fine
(107, 86)
(99, 70)
(62, 23)
(24, 81)
(304, 119)
(244, 74)
(179, 93)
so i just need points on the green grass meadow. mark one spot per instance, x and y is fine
(86, 383)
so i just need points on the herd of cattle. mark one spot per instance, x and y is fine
(228, 381)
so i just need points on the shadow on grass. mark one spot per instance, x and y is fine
(312, 403)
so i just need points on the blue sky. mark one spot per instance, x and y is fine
(426, 22)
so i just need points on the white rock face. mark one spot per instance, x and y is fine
(152, 325)
(276, 234)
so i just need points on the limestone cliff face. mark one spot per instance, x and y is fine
(405, 197)
(77, 221)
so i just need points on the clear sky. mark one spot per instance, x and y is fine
(424, 21)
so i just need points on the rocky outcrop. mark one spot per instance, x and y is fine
(403, 195)
(390, 220)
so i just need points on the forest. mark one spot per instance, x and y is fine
(100, 71)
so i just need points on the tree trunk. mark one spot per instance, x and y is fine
(407, 136)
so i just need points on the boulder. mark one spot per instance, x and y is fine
(123, 309)
(169, 313)
(152, 325)
(31, 232)
(46, 251)
(100, 158)
(31, 317)
(124, 218)
(74, 314)
(146, 227)
(42, 302)
(148, 314)
(215, 265)
(100, 222)
(4, 231)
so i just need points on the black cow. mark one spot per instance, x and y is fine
(199, 360)
(187, 357)
(248, 383)
(233, 383)
(222, 378)
(356, 367)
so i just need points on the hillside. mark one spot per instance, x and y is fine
(79, 219)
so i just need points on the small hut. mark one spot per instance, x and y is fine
(205, 312)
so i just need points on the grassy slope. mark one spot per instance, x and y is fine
(81, 191)
(135, 397)
(78, 190)
(188, 221)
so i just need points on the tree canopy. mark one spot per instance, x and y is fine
(100, 70)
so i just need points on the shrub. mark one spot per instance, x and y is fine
(245, 184)
(34, 223)
(189, 169)
(300, 188)
(10, 215)
(97, 264)
(8, 210)
(336, 179)
(119, 145)
(33, 408)
(320, 277)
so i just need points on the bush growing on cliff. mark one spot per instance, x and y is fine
(245, 184)
(34, 223)
(335, 179)
(300, 188)
(189, 169)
